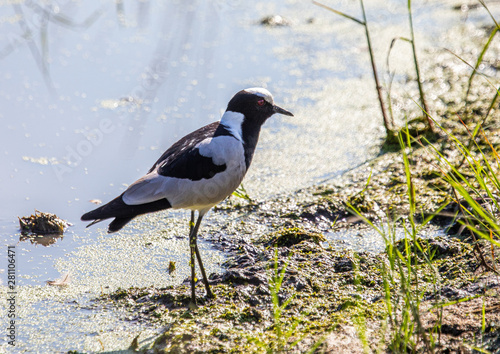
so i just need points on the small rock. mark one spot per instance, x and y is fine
(254, 301)
(454, 294)
(274, 21)
(237, 276)
(295, 235)
(300, 285)
(344, 265)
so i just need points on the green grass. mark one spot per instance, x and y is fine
(242, 193)
(389, 125)
(401, 275)
(423, 102)
(408, 270)
(475, 187)
(282, 334)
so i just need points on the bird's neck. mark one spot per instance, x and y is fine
(245, 129)
(250, 133)
(233, 121)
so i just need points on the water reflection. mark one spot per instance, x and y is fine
(147, 71)
(33, 19)
(44, 240)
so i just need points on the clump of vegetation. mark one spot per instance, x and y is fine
(476, 188)
(282, 334)
(42, 223)
(414, 268)
(242, 193)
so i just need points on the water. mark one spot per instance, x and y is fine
(93, 92)
(367, 239)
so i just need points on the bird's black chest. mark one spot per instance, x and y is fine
(250, 135)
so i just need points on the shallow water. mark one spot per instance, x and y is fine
(370, 240)
(92, 93)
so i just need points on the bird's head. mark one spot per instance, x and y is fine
(256, 104)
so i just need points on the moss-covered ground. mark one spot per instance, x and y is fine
(336, 299)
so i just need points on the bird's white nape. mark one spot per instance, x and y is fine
(233, 121)
(262, 92)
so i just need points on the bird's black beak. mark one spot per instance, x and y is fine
(278, 109)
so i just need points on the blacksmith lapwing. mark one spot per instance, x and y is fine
(197, 172)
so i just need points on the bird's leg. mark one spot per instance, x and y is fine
(191, 223)
(193, 233)
(192, 248)
(202, 269)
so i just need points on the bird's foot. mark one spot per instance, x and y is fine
(210, 294)
(192, 304)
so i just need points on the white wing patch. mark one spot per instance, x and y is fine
(222, 150)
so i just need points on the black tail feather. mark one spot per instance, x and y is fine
(122, 212)
(94, 222)
(117, 224)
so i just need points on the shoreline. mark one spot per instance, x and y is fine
(337, 300)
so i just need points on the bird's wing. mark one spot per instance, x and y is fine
(146, 189)
(188, 168)
(172, 178)
(186, 144)
(194, 164)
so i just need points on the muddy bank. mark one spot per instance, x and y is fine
(330, 298)
(327, 298)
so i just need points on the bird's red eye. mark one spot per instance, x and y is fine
(261, 102)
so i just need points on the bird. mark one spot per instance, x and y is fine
(197, 172)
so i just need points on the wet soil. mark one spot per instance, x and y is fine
(329, 291)
(332, 299)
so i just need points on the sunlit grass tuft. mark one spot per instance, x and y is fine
(282, 334)
(403, 289)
